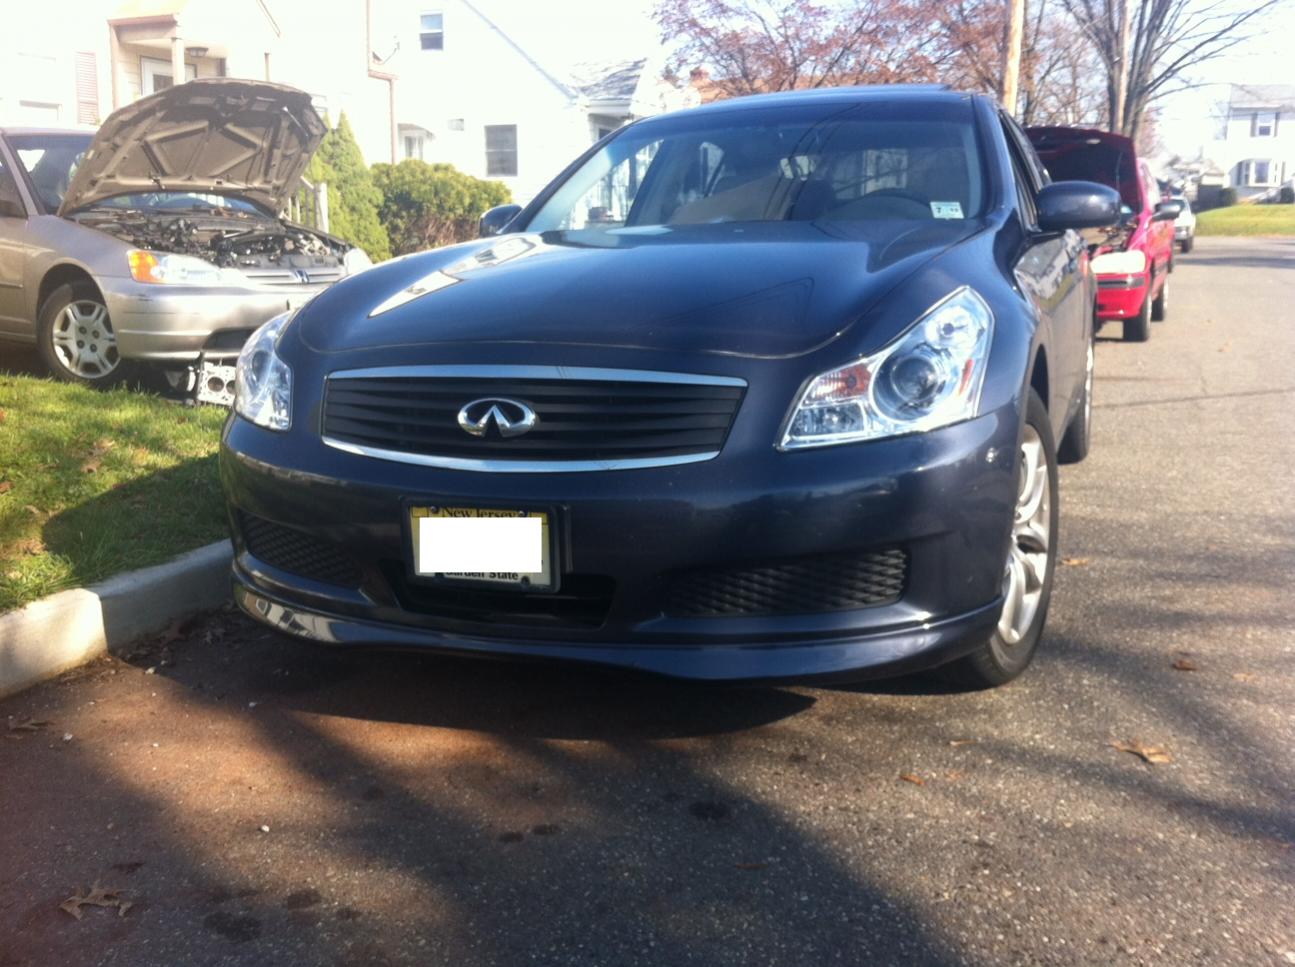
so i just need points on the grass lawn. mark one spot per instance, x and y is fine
(93, 483)
(1247, 220)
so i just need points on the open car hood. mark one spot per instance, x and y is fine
(1087, 154)
(216, 135)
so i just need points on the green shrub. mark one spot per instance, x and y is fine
(1287, 194)
(1227, 197)
(353, 198)
(426, 205)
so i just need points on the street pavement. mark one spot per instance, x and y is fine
(262, 802)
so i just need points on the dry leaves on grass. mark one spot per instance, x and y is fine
(6, 486)
(96, 897)
(1152, 754)
(28, 545)
(95, 459)
(3, 414)
(913, 778)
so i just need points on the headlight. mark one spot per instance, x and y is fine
(356, 260)
(927, 378)
(170, 269)
(263, 384)
(1133, 262)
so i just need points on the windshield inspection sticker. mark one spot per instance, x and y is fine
(946, 209)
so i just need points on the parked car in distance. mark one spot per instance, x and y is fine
(158, 238)
(1185, 226)
(1133, 274)
(765, 389)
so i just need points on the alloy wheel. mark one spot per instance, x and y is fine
(83, 340)
(1025, 575)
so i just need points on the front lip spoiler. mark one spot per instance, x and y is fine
(876, 655)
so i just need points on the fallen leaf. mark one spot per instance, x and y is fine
(30, 545)
(34, 510)
(957, 742)
(97, 452)
(1153, 754)
(96, 897)
(6, 486)
(1185, 665)
(1075, 561)
(914, 779)
(3, 414)
(1243, 676)
(27, 725)
(955, 774)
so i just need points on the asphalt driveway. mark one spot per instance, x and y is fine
(260, 802)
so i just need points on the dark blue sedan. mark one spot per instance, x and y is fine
(770, 389)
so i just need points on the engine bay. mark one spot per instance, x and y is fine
(235, 240)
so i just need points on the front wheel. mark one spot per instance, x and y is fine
(1138, 328)
(1031, 560)
(75, 337)
(1186, 245)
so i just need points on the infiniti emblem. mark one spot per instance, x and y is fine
(510, 417)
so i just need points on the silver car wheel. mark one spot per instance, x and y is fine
(83, 340)
(1026, 572)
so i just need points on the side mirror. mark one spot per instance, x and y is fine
(12, 208)
(496, 220)
(1077, 205)
(1167, 211)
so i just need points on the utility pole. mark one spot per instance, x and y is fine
(1122, 68)
(1012, 55)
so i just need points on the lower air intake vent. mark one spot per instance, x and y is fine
(291, 550)
(838, 582)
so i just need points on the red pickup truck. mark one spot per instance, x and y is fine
(1133, 267)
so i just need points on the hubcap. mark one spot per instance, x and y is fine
(1027, 558)
(84, 341)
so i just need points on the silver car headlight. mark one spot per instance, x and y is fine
(170, 269)
(927, 378)
(263, 381)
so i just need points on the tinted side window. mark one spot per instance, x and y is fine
(1026, 181)
(9, 191)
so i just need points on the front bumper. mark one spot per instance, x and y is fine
(945, 497)
(1182, 232)
(157, 323)
(1120, 296)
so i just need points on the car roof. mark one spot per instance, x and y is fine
(916, 93)
(26, 131)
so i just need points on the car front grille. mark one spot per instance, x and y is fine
(582, 601)
(306, 275)
(587, 418)
(837, 582)
(291, 550)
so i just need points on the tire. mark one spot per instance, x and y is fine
(1186, 244)
(1074, 444)
(1011, 646)
(1138, 328)
(75, 339)
(1160, 308)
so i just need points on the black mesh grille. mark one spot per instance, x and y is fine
(839, 582)
(291, 550)
(582, 601)
(579, 419)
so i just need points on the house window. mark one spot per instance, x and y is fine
(501, 150)
(1263, 125)
(431, 34)
(414, 146)
(156, 75)
(1261, 173)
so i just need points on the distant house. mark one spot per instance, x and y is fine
(488, 101)
(1258, 150)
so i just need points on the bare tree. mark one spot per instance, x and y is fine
(757, 46)
(1165, 40)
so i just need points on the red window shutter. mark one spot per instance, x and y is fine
(87, 89)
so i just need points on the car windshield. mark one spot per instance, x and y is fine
(883, 160)
(50, 161)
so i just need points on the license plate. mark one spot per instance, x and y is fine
(509, 548)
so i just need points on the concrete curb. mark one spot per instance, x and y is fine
(66, 629)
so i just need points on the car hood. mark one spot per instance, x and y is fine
(216, 135)
(1087, 154)
(759, 290)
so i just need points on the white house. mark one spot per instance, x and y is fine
(442, 80)
(1258, 150)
